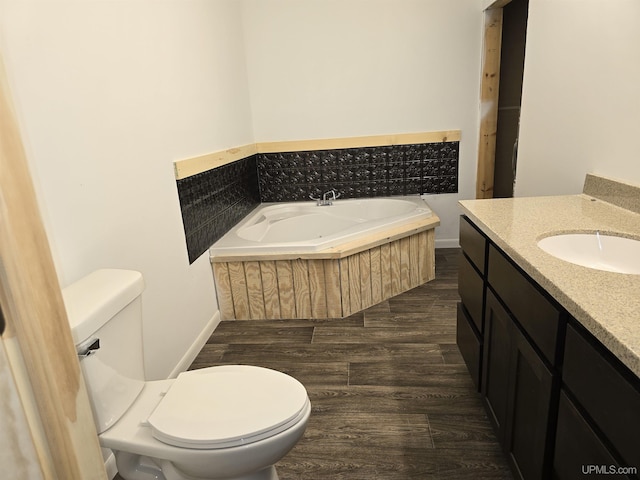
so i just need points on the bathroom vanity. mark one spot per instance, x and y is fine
(553, 347)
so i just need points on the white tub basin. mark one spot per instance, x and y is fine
(304, 227)
(595, 250)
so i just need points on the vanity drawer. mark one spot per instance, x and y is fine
(469, 344)
(537, 316)
(473, 243)
(609, 396)
(471, 290)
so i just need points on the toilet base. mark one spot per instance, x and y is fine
(137, 467)
(268, 473)
(171, 473)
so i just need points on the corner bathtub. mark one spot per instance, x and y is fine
(300, 260)
(302, 227)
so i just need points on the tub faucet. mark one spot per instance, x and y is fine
(327, 198)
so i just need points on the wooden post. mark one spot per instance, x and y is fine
(44, 361)
(489, 102)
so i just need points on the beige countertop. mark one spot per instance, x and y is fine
(605, 303)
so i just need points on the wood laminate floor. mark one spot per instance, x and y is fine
(391, 397)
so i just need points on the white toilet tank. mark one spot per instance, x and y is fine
(106, 306)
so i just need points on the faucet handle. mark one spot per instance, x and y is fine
(317, 199)
(334, 194)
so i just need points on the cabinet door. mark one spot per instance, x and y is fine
(518, 391)
(532, 390)
(495, 366)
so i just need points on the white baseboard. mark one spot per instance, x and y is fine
(447, 243)
(193, 351)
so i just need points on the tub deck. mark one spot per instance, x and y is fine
(331, 283)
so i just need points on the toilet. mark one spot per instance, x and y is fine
(231, 422)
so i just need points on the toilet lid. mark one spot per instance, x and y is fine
(225, 406)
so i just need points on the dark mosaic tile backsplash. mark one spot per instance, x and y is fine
(213, 202)
(359, 172)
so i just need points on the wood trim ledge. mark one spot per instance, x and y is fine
(192, 166)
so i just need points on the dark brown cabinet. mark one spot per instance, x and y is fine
(508, 336)
(531, 308)
(471, 287)
(532, 391)
(474, 244)
(518, 390)
(469, 344)
(562, 405)
(600, 405)
(577, 445)
(495, 368)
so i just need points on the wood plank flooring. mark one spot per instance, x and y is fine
(391, 397)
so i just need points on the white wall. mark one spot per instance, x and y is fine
(109, 94)
(336, 68)
(581, 95)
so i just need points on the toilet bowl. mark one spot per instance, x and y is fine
(185, 423)
(231, 422)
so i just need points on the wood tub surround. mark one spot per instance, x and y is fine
(332, 283)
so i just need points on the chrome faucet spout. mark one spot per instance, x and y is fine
(327, 198)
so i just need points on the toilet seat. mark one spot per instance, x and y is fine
(227, 406)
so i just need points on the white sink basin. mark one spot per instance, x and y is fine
(595, 250)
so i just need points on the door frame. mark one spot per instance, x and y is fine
(489, 93)
(37, 336)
